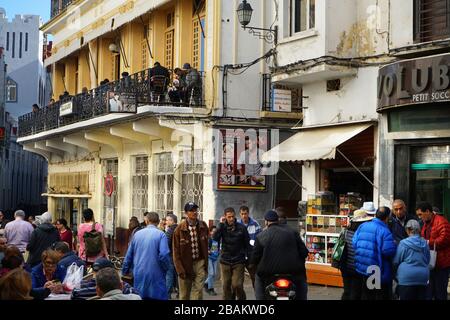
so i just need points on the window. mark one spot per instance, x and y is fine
(198, 43)
(431, 20)
(20, 45)
(144, 48)
(7, 41)
(302, 15)
(139, 201)
(169, 41)
(11, 90)
(26, 41)
(14, 45)
(192, 177)
(164, 183)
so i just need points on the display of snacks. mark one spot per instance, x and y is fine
(350, 202)
(328, 224)
(321, 236)
(321, 203)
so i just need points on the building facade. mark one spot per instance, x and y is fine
(22, 174)
(152, 151)
(26, 78)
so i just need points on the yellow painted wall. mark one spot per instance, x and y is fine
(70, 79)
(158, 30)
(183, 33)
(58, 85)
(84, 76)
(105, 65)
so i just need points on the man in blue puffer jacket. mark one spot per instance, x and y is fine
(375, 246)
(411, 264)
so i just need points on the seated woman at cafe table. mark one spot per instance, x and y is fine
(47, 276)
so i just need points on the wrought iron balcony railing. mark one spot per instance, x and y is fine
(280, 98)
(121, 96)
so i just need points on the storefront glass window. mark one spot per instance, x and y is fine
(431, 176)
(420, 118)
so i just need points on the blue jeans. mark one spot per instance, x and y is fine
(437, 288)
(212, 273)
(170, 277)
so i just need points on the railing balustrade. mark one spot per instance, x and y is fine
(94, 103)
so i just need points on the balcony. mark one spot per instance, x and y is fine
(280, 101)
(124, 96)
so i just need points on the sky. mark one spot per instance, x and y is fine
(37, 7)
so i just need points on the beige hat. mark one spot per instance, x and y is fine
(360, 216)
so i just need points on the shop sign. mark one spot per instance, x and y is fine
(281, 100)
(425, 80)
(66, 109)
(121, 102)
(109, 185)
(109, 221)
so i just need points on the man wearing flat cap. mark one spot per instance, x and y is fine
(190, 253)
(279, 250)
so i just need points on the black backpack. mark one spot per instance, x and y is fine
(93, 242)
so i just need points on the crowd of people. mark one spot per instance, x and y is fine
(409, 254)
(386, 255)
(181, 86)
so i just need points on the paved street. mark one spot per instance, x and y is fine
(314, 292)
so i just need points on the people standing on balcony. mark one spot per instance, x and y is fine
(193, 94)
(35, 108)
(18, 232)
(176, 91)
(84, 91)
(159, 80)
(235, 249)
(190, 254)
(43, 237)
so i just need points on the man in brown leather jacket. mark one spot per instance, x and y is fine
(190, 254)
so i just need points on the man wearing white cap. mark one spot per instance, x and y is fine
(42, 238)
(18, 232)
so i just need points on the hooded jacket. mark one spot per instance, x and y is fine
(41, 239)
(411, 262)
(374, 246)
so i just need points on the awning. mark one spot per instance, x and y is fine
(314, 144)
(68, 196)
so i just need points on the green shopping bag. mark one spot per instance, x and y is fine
(338, 250)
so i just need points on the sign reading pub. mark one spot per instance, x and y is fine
(424, 80)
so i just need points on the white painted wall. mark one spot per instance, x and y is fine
(27, 71)
(402, 22)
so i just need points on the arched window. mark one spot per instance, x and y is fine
(11, 90)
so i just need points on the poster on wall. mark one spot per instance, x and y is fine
(281, 100)
(109, 222)
(121, 102)
(239, 167)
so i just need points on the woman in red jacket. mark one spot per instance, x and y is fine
(64, 232)
(436, 230)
